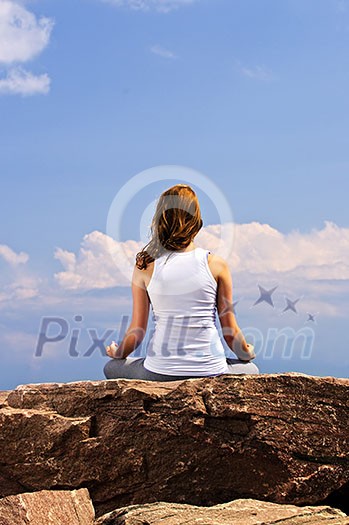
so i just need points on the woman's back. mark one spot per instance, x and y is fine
(183, 292)
(185, 288)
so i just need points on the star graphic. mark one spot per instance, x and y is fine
(229, 307)
(291, 305)
(311, 317)
(265, 296)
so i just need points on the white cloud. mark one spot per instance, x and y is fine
(258, 250)
(21, 82)
(22, 34)
(18, 283)
(258, 72)
(162, 6)
(22, 37)
(11, 257)
(23, 287)
(319, 254)
(163, 52)
(96, 266)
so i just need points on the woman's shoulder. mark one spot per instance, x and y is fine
(217, 259)
(217, 264)
(142, 277)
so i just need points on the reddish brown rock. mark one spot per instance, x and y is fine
(48, 507)
(3, 397)
(238, 512)
(276, 437)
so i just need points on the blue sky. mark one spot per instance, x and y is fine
(252, 93)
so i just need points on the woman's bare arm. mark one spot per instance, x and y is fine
(230, 328)
(140, 313)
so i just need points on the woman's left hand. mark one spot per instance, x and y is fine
(112, 349)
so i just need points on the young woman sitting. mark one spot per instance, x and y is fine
(185, 286)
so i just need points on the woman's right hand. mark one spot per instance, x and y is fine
(112, 349)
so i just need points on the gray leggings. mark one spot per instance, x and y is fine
(134, 369)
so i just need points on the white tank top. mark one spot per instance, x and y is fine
(185, 341)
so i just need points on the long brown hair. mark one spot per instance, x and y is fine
(177, 220)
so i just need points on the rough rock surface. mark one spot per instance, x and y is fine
(48, 507)
(276, 437)
(238, 512)
(3, 397)
(63, 507)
